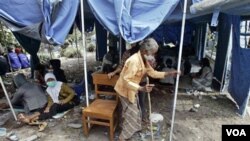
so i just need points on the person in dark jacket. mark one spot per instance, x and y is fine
(31, 96)
(3, 63)
(57, 71)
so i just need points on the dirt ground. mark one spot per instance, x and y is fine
(203, 125)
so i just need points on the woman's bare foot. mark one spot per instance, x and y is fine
(23, 119)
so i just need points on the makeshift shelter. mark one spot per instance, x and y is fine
(135, 20)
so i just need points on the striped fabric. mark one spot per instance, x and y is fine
(131, 118)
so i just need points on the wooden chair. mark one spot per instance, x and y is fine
(101, 111)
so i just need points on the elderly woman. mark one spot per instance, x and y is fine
(127, 85)
(60, 98)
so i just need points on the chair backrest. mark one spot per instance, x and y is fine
(102, 80)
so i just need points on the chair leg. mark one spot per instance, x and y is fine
(111, 130)
(85, 126)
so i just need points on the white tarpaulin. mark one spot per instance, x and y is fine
(207, 6)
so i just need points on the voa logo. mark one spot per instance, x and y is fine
(236, 132)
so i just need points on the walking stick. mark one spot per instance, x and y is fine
(149, 103)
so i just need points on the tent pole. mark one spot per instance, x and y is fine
(8, 99)
(84, 55)
(178, 68)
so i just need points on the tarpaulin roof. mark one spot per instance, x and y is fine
(207, 6)
(46, 20)
(51, 20)
(133, 20)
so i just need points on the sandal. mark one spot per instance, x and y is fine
(42, 126)
(34, 122)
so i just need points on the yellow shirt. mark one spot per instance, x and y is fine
(66, 94)
(134, 69)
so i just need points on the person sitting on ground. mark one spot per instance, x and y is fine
(202, 79)
(109, 61)
(29, 95)
(14, 61)
(55, 64)
(60, 99)
(134, 48)
(3, 63)
(25, 63)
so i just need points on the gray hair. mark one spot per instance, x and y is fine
(149, 44)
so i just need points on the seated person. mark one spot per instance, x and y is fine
(109, 61)
(172, 58)
(28, 95)
(60, 98)
(25, 63)
(202, 79)
(168, 80)
(3, 63)
(57, 71)
(14, 61)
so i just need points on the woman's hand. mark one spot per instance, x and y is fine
(173, 73)
(62, 102)
(147, 88)
(46, 110)
(110, 75)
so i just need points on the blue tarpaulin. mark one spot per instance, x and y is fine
(46, 20)
(133, 20)
(239, 86)
(170, 33)
(224, 29)
(51, 20)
